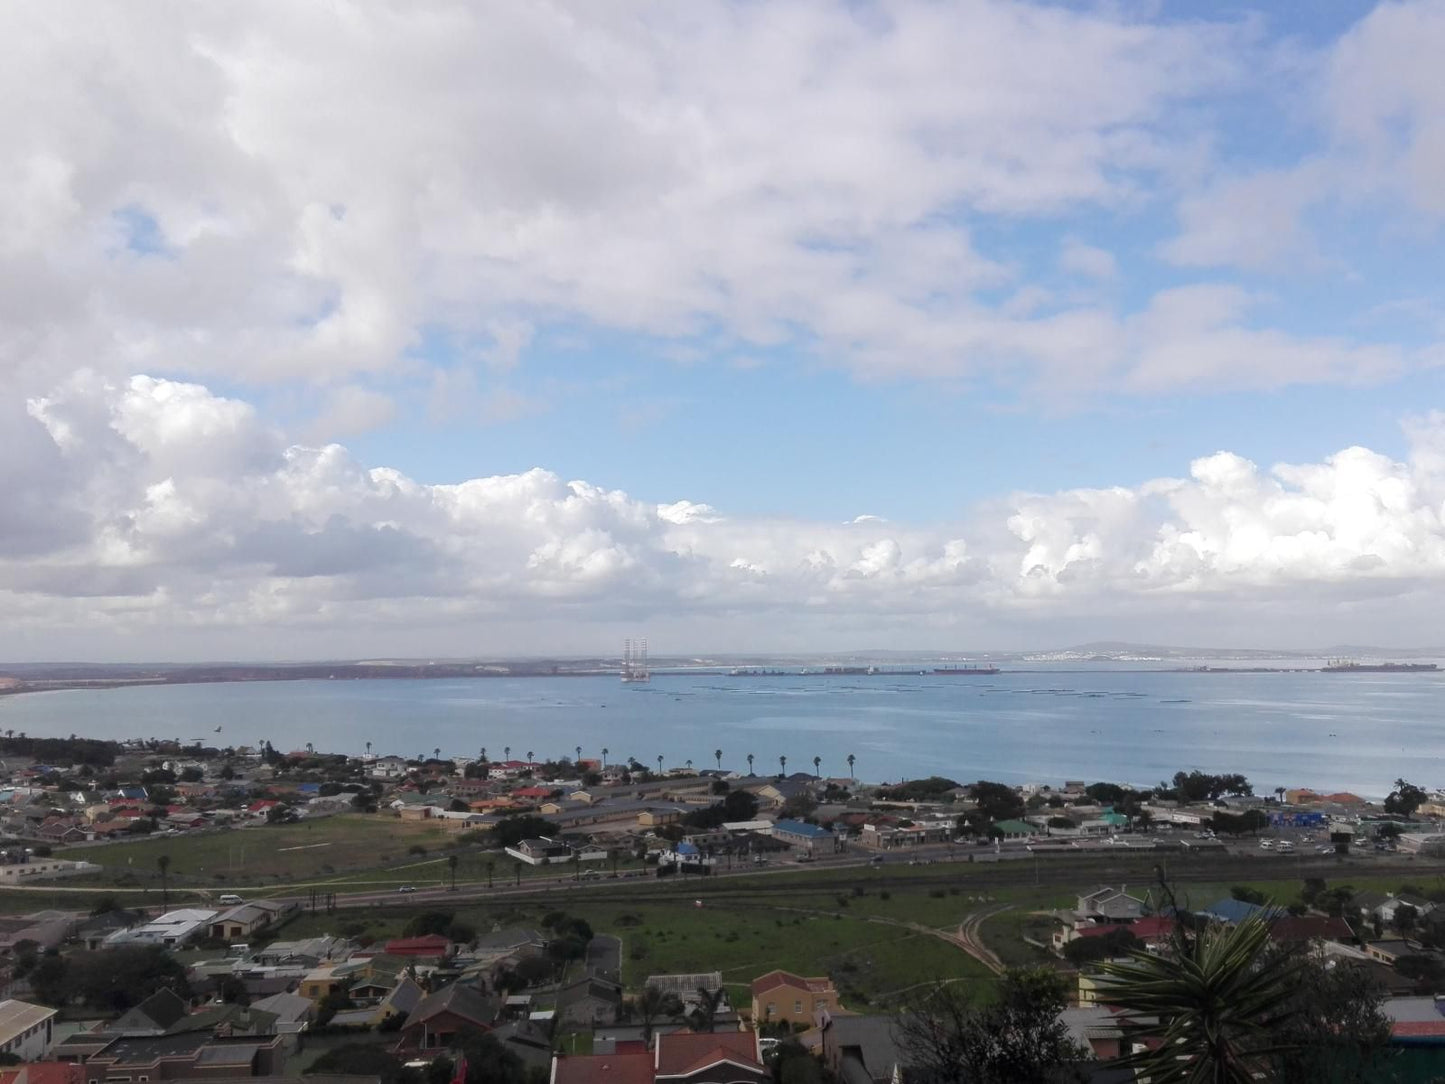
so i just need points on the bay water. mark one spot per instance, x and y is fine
(1333, 732)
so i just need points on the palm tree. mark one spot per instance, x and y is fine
(689, 764)
(654, 1003)
(782, 765)
(659, 763)
(452, 865)
(851, 759)
(704, 1015)
(817, 767)
(717, 753)
(437, 753)
(579, 754)
(530, 754)
(750, 764)
(506, 752)
(1216, 1005)
(368, 748)
(164, 864)
(604, 757)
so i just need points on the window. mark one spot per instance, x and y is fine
(798, 1006)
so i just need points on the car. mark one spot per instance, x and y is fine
(1267, 844)
(407, 888)
(876, 860)
(804, 858)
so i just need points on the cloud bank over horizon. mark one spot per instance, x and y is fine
(154, 504)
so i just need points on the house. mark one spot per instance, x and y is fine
(429, 945)
(862, 1049)
(187, 1055)
(241, 921)
(155, 1015)
(541, 851)
(1232, 911)
(800, 834)
(529, 1040)
(780, 996)
(387, 768)
(1107, 904)
(723, 1057)
(291, 1011)
(1012, 829)
(589, 1002)
(656, 818)
(691, 989)
(1097, 1027)
(320, 982)
(440, 1018)
(172, 929)
(512, 941)
(632, 1067)
(26, 1030)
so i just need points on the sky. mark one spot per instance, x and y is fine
(439, 329)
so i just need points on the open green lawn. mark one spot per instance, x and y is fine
(267, 854)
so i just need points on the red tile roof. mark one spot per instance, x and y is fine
(773, 979)
(603, 1069)
(1310, 928)
(54, 1072)
(432, 944)
(683, 1053)
(1415, 1029)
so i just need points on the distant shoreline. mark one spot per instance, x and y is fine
(222, 675)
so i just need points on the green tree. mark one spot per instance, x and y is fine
(1337, 1031)
(1404, 799)
(655, 1004)
(949, 1038)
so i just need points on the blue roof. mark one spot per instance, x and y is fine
(801, 828)
(1232, 910)
(688, 848)
(132, 792)
(308, 788)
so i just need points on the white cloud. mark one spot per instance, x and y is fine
(183, 510)
(1089, 261)
(336, 185)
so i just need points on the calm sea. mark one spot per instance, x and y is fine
(1354, 732)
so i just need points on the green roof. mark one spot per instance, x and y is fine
(1015, 828)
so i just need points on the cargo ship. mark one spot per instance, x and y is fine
(965, 670)
(1349, 666)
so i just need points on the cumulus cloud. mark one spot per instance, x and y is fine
(183, 508)
(316, 193)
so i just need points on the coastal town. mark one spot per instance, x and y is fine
(286, 911)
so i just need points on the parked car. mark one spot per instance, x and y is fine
(407, 888)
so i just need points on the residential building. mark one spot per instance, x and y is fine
(723, 1057)
(1108, 904)
(539, 852)
(793, 999)
(172, 929)
(589, 1002)
(440, 1018)
(632, 1067)
(862, 1049)
(808, 837)
(26, 1030)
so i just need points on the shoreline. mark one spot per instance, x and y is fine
(427, 672)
